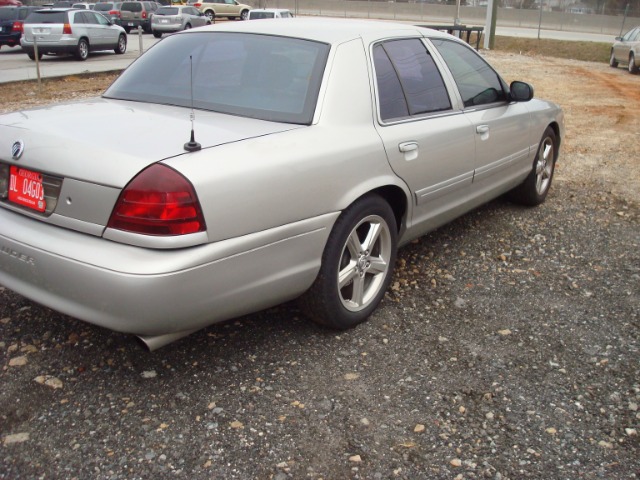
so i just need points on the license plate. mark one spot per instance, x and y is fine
(25, 188)
(164, 20)
(130, 24)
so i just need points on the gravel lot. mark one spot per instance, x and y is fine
(508, 347)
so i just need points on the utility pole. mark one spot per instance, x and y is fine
(490, 25)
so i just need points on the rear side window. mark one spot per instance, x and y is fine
(409, 82)
(131, 7)
(477, 82)
(8, 13)
(44, 16)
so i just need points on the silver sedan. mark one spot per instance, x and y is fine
(176, 18)
(238, 166)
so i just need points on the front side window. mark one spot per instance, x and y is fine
(477, 82)
(409, 82)
(259, 76)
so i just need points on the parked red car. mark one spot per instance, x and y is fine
(11, 3)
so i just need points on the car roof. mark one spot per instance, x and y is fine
(326, 30)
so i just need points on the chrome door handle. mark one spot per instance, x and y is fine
(482, 129)
(408, 147)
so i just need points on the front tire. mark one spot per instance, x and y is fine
(357, 265)
(633, 68)
(82, 50)
(121, 47)
(210, 14)
(533, 191)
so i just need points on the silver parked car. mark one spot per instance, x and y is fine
(626, 50)
(70, 31)
(261, 161)
(177, 18)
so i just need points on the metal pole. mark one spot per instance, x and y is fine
(540, 20)
(490, 27)
(35, 52)
(456, 20)
(626, 10)
(140, 39)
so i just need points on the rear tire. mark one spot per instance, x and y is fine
(533, 191)
(244, 15)
(357, 265)
(157, 34)
(32, 55)
(82, 50)
(187, 26)
(210, 14)
(121, 47)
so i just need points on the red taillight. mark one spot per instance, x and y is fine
(197, 5)
(66, 30)
(17, 26)
(158, 201)
(115, 13)
(144, 14)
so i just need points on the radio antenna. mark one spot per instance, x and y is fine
(192, 145)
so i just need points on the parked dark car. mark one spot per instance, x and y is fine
(11, 24)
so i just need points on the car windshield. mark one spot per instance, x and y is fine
(167, 11)
(259, 76)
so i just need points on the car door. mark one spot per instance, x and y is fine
(428, 140)
(623, 47)
(108, 33)
(501, 127)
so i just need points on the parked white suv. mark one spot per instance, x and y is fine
(70, 31)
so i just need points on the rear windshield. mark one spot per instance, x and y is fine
(258, 76)
(261, 15)
(105, 7)
(44, 16)
(8, 13)
(167, 11)
(131, 7)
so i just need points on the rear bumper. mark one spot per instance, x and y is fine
(63, 46)
(166, 28)
(156, 292)
(10, 39)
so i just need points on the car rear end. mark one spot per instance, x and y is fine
(51, 30)
(111, 10)
(11, 24)
(167, 20)
(134, 15)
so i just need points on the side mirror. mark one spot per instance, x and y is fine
(618, 39)
(520, 91)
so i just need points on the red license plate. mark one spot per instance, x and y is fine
(25, 188)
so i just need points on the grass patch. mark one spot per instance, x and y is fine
(585, 51)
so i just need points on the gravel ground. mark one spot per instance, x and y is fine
(507, 348)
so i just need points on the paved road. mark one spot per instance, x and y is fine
(16, 66)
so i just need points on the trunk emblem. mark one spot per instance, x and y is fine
(16, 149)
